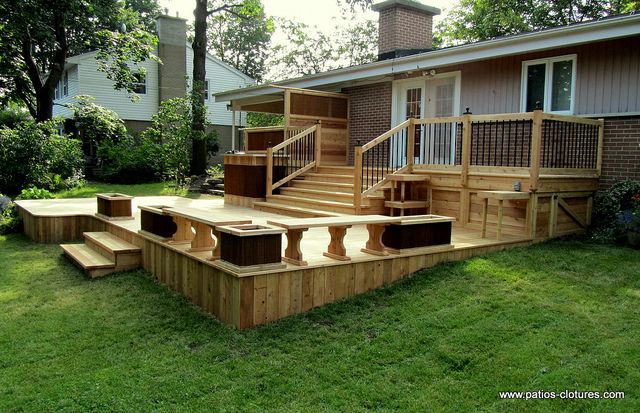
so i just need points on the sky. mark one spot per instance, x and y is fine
(322, 13)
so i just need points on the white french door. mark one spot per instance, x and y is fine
(428, 98)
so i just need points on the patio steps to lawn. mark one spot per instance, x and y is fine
(103, 253)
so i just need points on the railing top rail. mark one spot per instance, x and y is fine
(295, 138)
(264, 129)
(385, 135)
(502, 117)
(572, 119)
(429, 121)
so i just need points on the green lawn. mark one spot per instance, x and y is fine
(152, 189)
(559, 315)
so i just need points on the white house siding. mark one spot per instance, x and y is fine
(58, 109)
(220, 78)
(94, 83)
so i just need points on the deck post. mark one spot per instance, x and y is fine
(269, 171)
(411, 144)
(536, 146)
(600, 147)
(466, 146)
(357, 179)
(318, 148)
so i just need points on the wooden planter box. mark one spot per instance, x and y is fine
(114, 206)
(418, 231)
(155, 224)
(251, 247)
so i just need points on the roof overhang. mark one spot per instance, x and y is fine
(594, 31)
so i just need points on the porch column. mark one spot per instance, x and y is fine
(233, 130)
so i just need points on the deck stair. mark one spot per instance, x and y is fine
(103, 253)
(328, 191)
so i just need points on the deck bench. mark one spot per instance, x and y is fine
(200, 238)
(418, 232)
(501, 196)
(337, 227)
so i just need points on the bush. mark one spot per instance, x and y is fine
(612, 208)
(97, 123)
(35, 193)
(33, 154)
(130, 160)
(9, 220)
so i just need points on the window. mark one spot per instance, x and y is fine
(550, 82)
(140, 83)
(206, 90)
(65, 84)
(56, 92)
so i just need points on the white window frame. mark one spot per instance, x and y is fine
(144, 83)
(206, 90)
(548, 82)
(65, 83)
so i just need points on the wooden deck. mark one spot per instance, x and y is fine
(251, 298)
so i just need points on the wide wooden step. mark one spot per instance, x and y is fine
(331, 206)
(322, 186)
(126, 255)
(313, 176)
(292, 211)
(335, 170)
(318, 194)
(92, 262)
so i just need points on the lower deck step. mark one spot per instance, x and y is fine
(91, 261)
(292, 211)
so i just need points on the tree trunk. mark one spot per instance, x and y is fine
(44, 102)
(199, 148)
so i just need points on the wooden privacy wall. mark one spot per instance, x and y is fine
(305, 105)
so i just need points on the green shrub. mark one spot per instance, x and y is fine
(35, 193)
(130, 160)
(9, 220)
(97, 123)
(610, 207)
(13, 114)
(33, 154)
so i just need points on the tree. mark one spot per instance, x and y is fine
(37, 36)
(204, 9)
(474, 20)
(308, 50)
(243, 42)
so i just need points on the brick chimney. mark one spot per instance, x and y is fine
(172, 50)
(405, 27)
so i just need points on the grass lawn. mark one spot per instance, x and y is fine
(559, 315)
(152, 189)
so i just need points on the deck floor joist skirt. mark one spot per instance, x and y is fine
(249, 299)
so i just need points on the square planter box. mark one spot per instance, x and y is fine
(251, 247)
(114, 206)
(418, 231)
(155, 224)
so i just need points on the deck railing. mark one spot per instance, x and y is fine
(292, 157)
(532, 140)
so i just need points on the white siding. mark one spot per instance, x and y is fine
(95, 83)
(221, 78)
(59, 110)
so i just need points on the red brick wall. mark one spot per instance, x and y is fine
(621, 155)
(370, 113)
(404, 28)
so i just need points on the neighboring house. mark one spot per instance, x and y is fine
(590, 69)
(162, 81)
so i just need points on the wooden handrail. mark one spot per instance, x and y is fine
(571, 119)
(294, 138)
(385, 135)
(270, 153)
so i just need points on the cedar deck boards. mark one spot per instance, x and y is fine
(236, 298)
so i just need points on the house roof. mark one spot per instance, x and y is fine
(74, 60)
(552, 38)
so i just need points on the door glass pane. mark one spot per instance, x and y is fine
(561, 86)
(535, 86)
(414, 103)
(444, 101)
